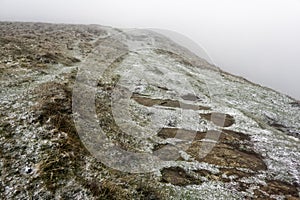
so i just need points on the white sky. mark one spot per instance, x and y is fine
(257, 39)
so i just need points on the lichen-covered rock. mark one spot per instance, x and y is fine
(215, 135)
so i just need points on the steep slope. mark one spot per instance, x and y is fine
(92, 112)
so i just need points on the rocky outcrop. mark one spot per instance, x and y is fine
(199, 133)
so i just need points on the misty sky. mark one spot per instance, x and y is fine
(257, 39)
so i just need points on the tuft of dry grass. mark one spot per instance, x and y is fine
(54, 110)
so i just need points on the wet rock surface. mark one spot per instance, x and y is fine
(177, 107)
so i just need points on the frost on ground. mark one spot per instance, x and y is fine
(176, 103)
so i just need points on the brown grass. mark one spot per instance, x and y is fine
(219, 119)
(146, 101)
(178, 176)
(61, 161)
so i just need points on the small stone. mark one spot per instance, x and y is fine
(28, 170)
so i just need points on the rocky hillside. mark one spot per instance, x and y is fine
(93, 112)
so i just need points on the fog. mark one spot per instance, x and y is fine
(256, 39)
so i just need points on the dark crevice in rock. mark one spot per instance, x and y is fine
(295, 104)
(190, 97)
(180, 134)
(55, 58)
(162, 88)
(219, 119)
(292, 131)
